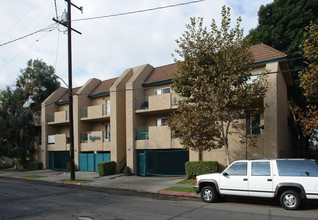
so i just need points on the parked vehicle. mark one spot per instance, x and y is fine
(292, 181)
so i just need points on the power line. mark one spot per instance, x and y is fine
(138, 11)
(48, 28)
(36, 41)
(28, 12)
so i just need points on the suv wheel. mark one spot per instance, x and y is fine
(208, 194)
(290, 200)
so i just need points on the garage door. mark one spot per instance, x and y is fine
(162, 162)
(58, 160)
(89, 161)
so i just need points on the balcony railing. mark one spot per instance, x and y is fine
(95, 141)
(58, 142)
(57, 117)
(94, 112)
(142, 133)
(155, 137)
(157, 102)
(95, 136)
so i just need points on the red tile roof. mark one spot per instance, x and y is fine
(261, 52)
(65, 97)
(103, 87)
(162, 73)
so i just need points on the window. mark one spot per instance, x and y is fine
(162, 121)
(107, 132)
(237, 169)
(162, 91)
(107, 107)
(297, 168)
(261, 169)
(253, 121)
(253, 78)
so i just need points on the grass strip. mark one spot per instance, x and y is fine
(180, 189)
(18, 170)
(34, 176)
(77, 181)
(187, 181)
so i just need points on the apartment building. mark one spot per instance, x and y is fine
(124, 120)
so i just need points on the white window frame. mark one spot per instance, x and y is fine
(161, 121)
(162, 91)
(253, 78)
(107, 133)
(51, 139)
(107, 106)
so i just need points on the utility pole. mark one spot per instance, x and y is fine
(69, 40)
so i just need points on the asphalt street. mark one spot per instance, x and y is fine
(23, 199)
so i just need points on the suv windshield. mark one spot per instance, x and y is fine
(297, 168)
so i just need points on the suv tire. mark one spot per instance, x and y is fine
(208, 194)
(290, 200)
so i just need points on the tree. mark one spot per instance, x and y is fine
(36, 82)
(281, 25)
(309, 82)
(18, 103)
(211, 82)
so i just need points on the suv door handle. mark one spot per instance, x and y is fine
(245, 179)
(269, 180)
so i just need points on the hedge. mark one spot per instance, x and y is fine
(195, 168)
(106, 168)
(34, 165)
(127, 171)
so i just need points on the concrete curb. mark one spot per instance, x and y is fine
(69, 183)
(178, 193)
(26, 178)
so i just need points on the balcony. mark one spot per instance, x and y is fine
(58, 142)
(156, 137)
(95, 141)
(57, 118)
(95, 112)
(155, 103)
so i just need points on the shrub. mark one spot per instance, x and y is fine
(106, 168)
(127, 171)
(69, 167)
(34, 165)
(195, 168)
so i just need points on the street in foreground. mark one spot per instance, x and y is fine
(21, 199)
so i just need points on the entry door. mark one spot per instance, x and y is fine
(141, 163)
(234, 180)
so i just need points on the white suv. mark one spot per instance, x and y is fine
(290, 180)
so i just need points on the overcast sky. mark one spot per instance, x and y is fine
(107, 46)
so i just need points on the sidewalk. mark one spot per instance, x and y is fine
(118, 181)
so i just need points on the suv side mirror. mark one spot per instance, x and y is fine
(225, 174)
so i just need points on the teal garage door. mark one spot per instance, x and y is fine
(89, 161)
(58, 160)
(162, 162)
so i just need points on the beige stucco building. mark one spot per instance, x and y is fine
(124, 120)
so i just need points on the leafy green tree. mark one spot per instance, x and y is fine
(18, 103)
(281, 25)
(211, 82)
(36, 82)
(309, 82)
